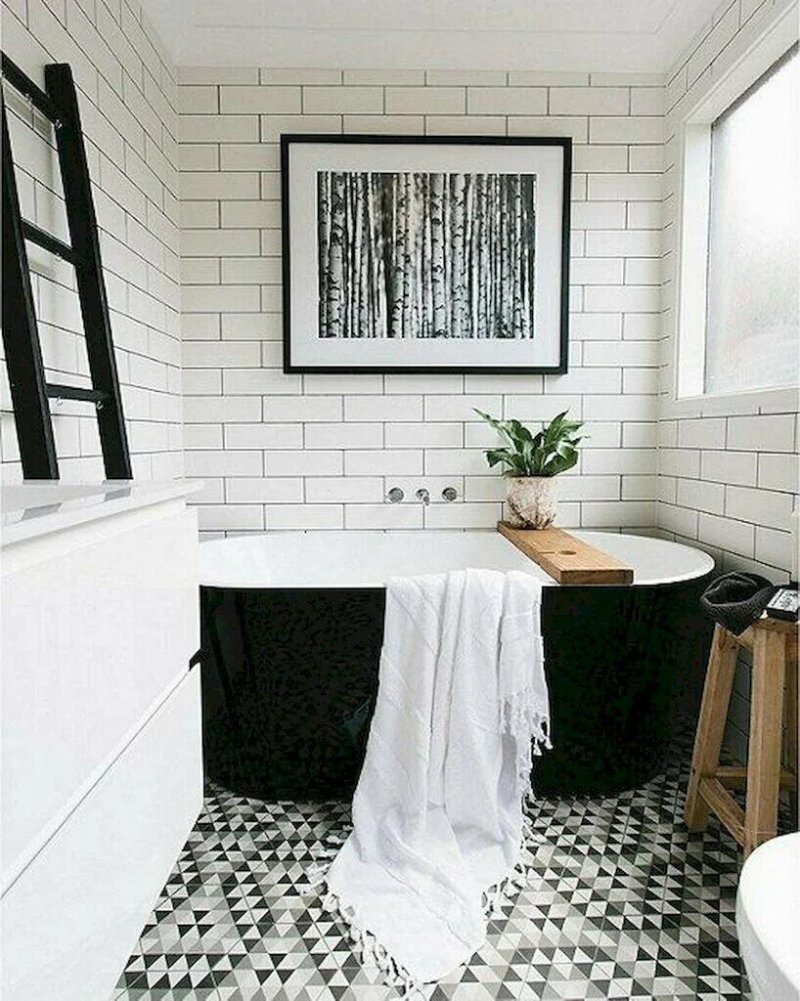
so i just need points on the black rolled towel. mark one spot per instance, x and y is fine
(736, 600)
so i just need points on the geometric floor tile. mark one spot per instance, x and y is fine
(626, 904)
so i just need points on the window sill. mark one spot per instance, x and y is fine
(762, 401)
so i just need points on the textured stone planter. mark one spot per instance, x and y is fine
(531, 501)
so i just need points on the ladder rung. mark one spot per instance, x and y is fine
(56, 390)
(22, 83)
(49, 242)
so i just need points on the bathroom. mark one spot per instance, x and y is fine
(230, 451)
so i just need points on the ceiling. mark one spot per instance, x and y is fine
(567, 35)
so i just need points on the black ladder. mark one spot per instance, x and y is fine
(30, 391)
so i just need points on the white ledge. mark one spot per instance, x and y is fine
(40, 507)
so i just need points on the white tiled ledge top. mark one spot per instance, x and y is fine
(40, 507)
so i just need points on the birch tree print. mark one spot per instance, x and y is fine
(420, 255)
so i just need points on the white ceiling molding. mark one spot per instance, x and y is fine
(566, 35)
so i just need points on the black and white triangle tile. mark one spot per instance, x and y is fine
(627, 904)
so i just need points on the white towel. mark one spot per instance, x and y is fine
(438, 814)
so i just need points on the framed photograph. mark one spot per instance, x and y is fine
(430, 254)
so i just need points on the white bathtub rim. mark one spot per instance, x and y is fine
(245, 561)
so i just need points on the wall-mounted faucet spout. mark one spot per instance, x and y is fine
(423, 495)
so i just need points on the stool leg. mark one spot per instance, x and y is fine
(711, 724)
(764, 757)
(792, 757)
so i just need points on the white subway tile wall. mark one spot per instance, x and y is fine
(728, 477)
(323, 451)
(127, 95)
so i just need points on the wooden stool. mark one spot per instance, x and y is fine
(774, 691)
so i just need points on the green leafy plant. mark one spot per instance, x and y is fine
(550, 451)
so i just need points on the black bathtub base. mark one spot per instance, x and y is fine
(287, 711)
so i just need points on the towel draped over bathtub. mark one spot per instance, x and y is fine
(438, 816)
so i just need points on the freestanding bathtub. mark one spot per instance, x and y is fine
(293, 623)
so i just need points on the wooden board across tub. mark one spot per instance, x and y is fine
(568, 560)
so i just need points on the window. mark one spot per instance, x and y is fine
(738, 294)
(752, 290)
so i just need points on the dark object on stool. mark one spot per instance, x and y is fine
(736, 600)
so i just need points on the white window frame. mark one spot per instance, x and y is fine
(694, 161)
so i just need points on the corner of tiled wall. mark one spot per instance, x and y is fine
(127, 94)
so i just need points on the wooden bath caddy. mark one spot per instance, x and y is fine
(565, 558)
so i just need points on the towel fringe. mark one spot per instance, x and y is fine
(369, 950)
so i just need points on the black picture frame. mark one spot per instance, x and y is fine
(292, 140)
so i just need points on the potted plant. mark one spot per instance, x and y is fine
(532, 462)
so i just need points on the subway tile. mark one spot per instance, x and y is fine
(589, 100)
(647, 100)
(598, 215)
(214, 185)
(387, 462)
(764, 433)
(779, 472)
(192, 75)
(425, 100)
(456, 462)
(224, 463)
(729, 467)
(701, 496)
(264, 436)
(360, 382)
(223, 410)
(426, 384)
(344, 489)
(617, 514)
(623, 243)
(424, 435)
(343, 100)
(759, 506)
(704, 432)
(264, 490)
(619, 460)
(218, 298)
(460, 407)
(273, 126)
(727, 534)
(247, 156)
(342, 435)
(218, 128)
(298, 462)
(261, 381)
(506, 100)
(569, 126)
(465, 125)
(384, 124)
(599, 159)
(219, 243)
(597, 271)
(637, 187)
(384, 77)
(464, 515)
(198, 100)
(596, 327)
(642, 129)
(304, 516)
(465, 78)
(383, 408)
(774, 548)
(382, 516)
(303, 408)
(268, 75)
(238, 100)
(230, 517)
